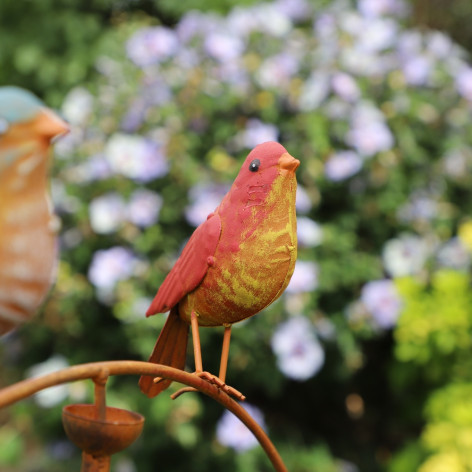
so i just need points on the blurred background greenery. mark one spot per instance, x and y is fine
(363, 365)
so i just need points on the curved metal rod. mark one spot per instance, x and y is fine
(95, 370)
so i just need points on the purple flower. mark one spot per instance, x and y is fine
(276, 71)
(303, 201)
(144, 207)
(405, 255)
(314, 91)
(224, 47)
(296, 10)
(150, 45)
(369, 134)
(109, 266)
(309, 232)
(304, 278)
(298, 351)
(257, 132)
(454, 254)
(204, 199)
(106, 213)
(374, 8)
(382, 300)
(231, 432)
(342, 165)
(417, 70)
(464, 82)
(136, 157)
(345, 87)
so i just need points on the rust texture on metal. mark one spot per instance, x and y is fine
(101, 370)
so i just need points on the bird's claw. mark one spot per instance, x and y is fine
(214, 380)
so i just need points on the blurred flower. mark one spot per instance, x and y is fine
(464, 82)
(204, 199)
(420, 206)
(298, 351)
(464, 233)
(342, 165)
(144, 207)
(405, 255)
(369, 134)
(454, 254)
(224, 46)
(150, 45)
(109, 266)
(276, 71)
(376, 34)
(136, 157)
(257, 132)
(314, 91)
(309, 232)
(417, 70)
(345, 87)
(374, 8)
(77, 106)
(382, 300)
(53, 395)
(107, 213)
(439, 44)
(270, 19)
(297, 10)
(94, 168)
(304, 278)
(303, 201)
(231, 432)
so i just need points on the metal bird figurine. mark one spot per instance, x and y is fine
(27, 229)
(235, 264)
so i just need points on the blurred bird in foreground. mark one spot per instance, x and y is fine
(235, 264)
(27, 225)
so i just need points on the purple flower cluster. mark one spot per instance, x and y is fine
(231, 432)
(298, 351)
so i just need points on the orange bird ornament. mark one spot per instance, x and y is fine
(27, 225)
(234, 265)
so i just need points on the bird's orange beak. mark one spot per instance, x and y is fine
(288, 162)
(48, 124)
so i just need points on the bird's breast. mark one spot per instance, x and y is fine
(253, 261)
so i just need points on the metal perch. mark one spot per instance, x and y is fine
(101, 415)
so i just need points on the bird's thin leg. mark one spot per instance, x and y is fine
(197, 350)
(225, 353)
(213, 379)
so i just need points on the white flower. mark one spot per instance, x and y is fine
(107, 213)
(77, 106)
(405, 255)
(383, 302)
(257, 132)
(342, 165)
(53, 395)
(231, 432)
(298, 351)
(309, 232)
(135, 157)
(304, 278)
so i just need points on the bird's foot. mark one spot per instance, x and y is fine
(214, 380)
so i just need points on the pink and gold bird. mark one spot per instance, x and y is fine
(27, 225)
(235, 264)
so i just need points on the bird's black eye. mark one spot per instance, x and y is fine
(254, 165)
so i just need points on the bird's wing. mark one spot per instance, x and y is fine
(190, 268)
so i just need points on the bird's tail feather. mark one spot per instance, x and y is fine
(170, 349)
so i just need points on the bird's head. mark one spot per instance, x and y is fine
(24, 114)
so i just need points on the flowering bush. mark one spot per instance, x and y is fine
(379, 116)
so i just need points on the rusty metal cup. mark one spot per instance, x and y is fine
(99, 438)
